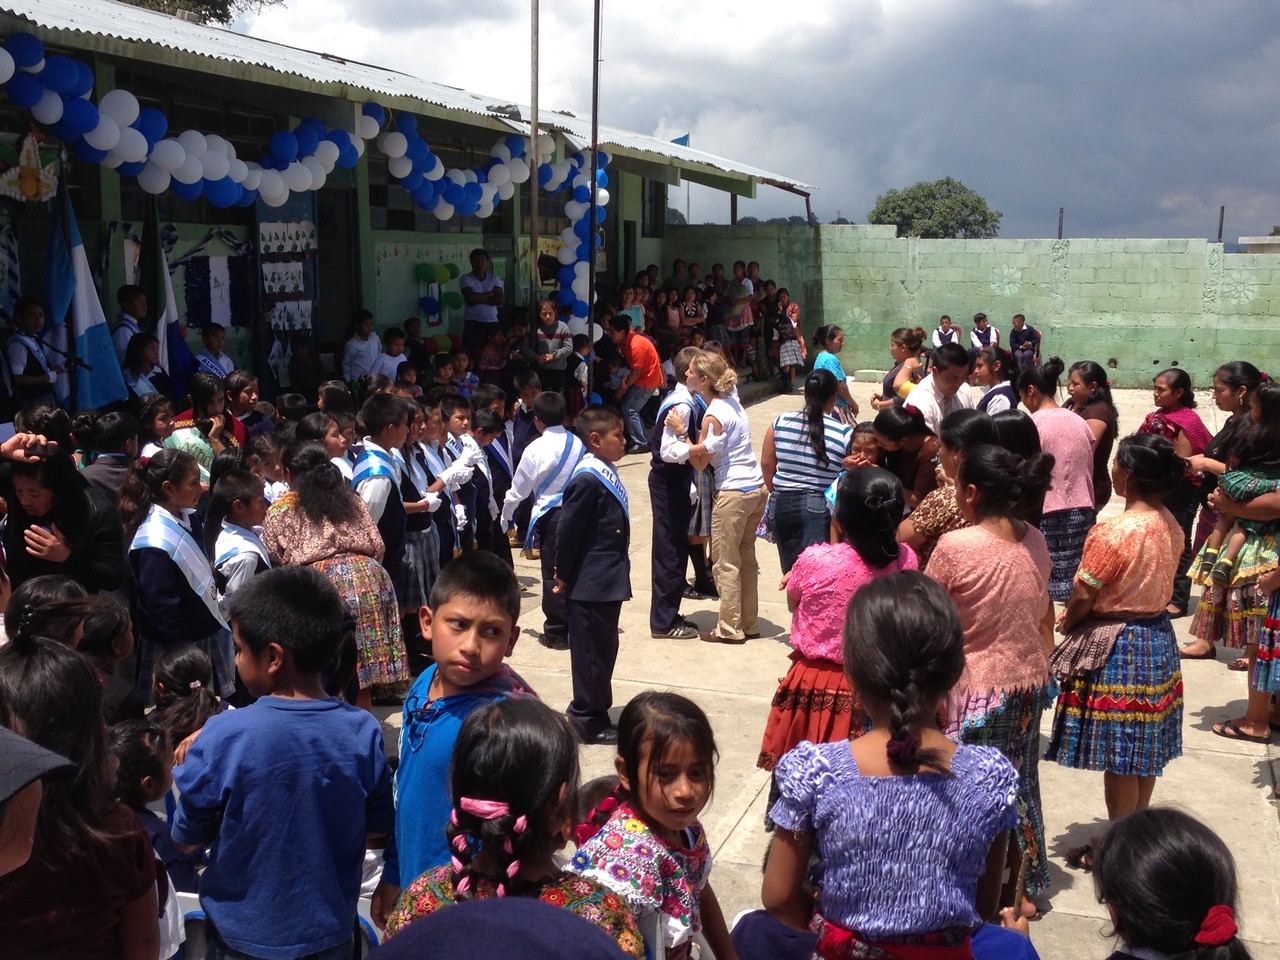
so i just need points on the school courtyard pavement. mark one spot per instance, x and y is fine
(1228, 785)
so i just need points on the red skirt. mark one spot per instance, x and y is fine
(814, 702)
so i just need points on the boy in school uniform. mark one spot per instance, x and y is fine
(287, 790)
(388, 364)
(592, 569)
(521, 432)
(487, 426)
(472, 626)
(377, 473)
(238, 551)
(541, 476)
(460, 448)
(212, 359)
(133, 310)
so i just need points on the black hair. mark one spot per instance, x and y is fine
(819, 388)
(231, 486)
(825, 334)
(322, 491)
(579, 341)
(296, 607)
(950, 355)
(292, 406)
(522, 754)
(211, 328)
(201, 389)
(965, 429)
(1152, 462)
(315, 425)
(899, 422)
(486, 394)
(232, 458)
(187, 699)
(113, 430)
(996, 354)
(549, 407)
(52, 423)
(526, 380)
(1179, 380)
(591, 793)
(127, 292)
(452, 403)
(267, 444)
(48, 607)
(1092, 372)
(903, 649)
(619, 322)
(140, 748)
(979, 316)
(393, 333)
(1016, 432)
(1162, 872)
(382, 410)
(1008, 484)
(481, 575)
(596, 419)
(149, 407)
(910, 337)
(335, 397)
(864, 427)
(1044, 377)
(105, 621)
(57, 473)
(237, 381)
(488, 420)
(1258, 443)
(134, 350)
(1241, 373)
(869, 506)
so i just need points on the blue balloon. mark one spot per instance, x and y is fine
(425, 193)
(24, 89)
(582, 194)
(89, 154)
(284, 146)
(412, 181)
(406, 123)
(602, 179)
(307, 139)
(222, 193)
(565, 275)
(84, 84)
(515, 143)
(580, 252)
(60, 74)
(151, 123)
(131, 169)
(580, 308)
(79, 115)
(581, 228)
(186, 191)
(347, 157)
(247, 198)
(600, 214)
(473, 191)
(602, 159)
(453, 193)
(63, 132)
(25, 48)
(376, 111)
(417, 150)
(316, 124)
(339, 137)
(432, 203)
(544, 174)
(430, 306)
(565, 296)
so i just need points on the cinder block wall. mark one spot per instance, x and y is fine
(1144, 304)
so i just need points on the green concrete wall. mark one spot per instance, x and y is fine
(1146, 304)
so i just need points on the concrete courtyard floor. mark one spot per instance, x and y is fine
(1227, 785)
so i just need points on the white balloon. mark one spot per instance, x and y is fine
(194, 143)
(393, 144)
(574, 210)
(400, 167)
(275, 199)
(470, 176)
(271, 184)
(602, 197)
(484, 211)
(252, 176)
(132, 146)
(499, 174)
(456, 176)
(488, 191)
(368, 128)
(216, 165)
(519, 170)
(579, 287)
(577, 325)
(506, 190)
(112, 160)
(567, 236)
(546, 143)
(316, 169)
(105, 135)
(296, 177)
(216, 144)
(48, 109)
(500, 151)
(443, 210)
(581, 180)
(566, 255)
(192, 169)
(7, 66)
(168, 155)
(120, 105)
(597, 332)
(358, 143)
(237, 170)
(327, 153)
(437, 170)
(34, 68)
(153, 179)
(581, 268)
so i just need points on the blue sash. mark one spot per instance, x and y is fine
(574, 449)
(435, 462)
(375, 463)
(605, 473)
(162, 531)
(210, 364)
(34, 350)
(235, 541)
(502, 455)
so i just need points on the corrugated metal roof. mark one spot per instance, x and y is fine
(71, 21)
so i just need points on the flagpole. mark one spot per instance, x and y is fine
(70, 352)
(595, 189)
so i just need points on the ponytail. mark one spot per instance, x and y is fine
(819, 389)
(185, 673)
(144, 485)
(869, 507)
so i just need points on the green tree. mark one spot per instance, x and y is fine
(209, 11)
(943, 209)
(674, 216)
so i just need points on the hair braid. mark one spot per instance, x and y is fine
(460, 857)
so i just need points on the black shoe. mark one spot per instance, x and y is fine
(681, 631)
(554, 643)
(707, 591)
(692, 593)
(605, 735)
(637, 448)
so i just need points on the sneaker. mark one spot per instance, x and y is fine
(681, 631)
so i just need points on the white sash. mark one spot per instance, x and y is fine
(605, 473)
(162, 531)
(234, 541)
(35, 350)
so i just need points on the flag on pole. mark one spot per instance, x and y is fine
(76, 323)
(176, 358)
(681, 141)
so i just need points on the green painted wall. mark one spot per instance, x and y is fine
(1147, 304)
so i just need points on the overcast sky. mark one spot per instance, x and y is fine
(1139, 117)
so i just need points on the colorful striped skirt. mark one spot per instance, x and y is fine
(1064, 532)
(1126, 717)
(1266, 673)
(814, 702)
(1010, 722)
(1231, 615)
(369, 594)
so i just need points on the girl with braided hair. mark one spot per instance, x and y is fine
(514, 785)
(912, 827)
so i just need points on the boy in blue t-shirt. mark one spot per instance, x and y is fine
(287, 791)
(472, 627)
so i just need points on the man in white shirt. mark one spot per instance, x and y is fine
(483, 294)
(945, 390)
(133, 310)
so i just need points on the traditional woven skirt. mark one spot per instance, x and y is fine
(1266, 674)
(700, 518)
(790, 355)
(369, 594)
(1064, 531)
(814, 702)
(1231, 615)
(1010, 722)
(1125, 718)
(420, 568)
(1257, 556)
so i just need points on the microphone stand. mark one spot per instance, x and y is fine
(71, 358)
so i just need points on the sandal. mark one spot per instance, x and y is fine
(1081, 858)
(1239, 663)
(1210, 654)
(1230, 730)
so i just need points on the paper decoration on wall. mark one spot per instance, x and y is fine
(32, 174)
(282, 279)
(292, 315)
(287, 237)
(218, 291)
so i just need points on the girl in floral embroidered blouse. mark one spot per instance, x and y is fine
(514, 784)
(644, 840)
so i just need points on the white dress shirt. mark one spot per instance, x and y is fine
(537, 463)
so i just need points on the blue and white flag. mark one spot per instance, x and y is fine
(176, 358)
(75, 316)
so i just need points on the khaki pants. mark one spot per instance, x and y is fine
(734, 520)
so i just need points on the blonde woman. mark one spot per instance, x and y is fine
(740, 494)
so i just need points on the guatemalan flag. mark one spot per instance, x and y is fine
(76, 317)
(176, 358)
